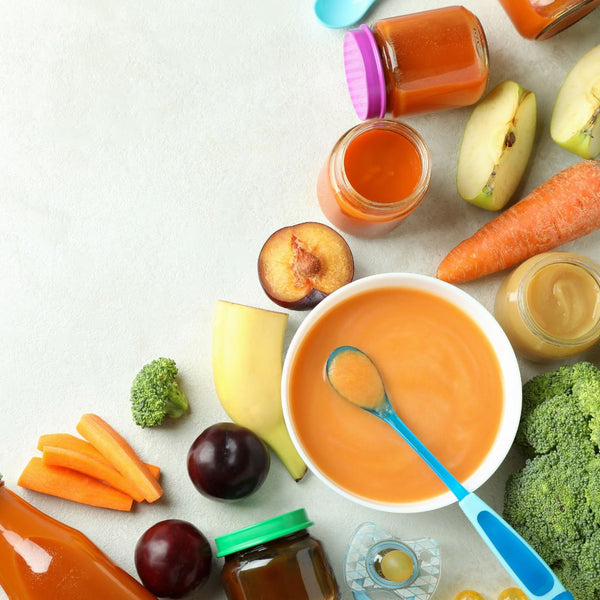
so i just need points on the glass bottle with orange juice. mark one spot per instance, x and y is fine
(42, 558)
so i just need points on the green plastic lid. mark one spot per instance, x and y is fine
(262, 532)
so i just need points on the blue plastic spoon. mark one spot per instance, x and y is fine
(524, 565)
(341, 13)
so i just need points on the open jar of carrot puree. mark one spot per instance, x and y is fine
(376, 175)
(416, 63)
(549, 306)
(541, 19)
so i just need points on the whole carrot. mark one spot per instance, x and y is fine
(564, 208)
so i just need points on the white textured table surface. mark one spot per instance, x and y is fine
(147, 151)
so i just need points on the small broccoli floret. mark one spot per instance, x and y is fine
(546, 386)
(575, 581)
(589, 559)
(586, 387)
(557, 423)
(544, 502)
(554, 501)
(155, 394)
(593, 490)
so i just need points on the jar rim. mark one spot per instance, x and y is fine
(578, 260)
(342, 186)
(263, 531)
(558, 21)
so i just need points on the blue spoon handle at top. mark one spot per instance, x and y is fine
(521, 561)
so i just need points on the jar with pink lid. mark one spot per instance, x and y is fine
(415, 63)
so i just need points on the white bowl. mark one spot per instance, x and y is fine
(509, 372)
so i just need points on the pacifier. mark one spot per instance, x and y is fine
(377, 562)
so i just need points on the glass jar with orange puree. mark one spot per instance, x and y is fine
(415, 63)
(541, 19)
(376, 175)
(549, 306)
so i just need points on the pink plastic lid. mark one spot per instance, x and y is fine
(364, 73)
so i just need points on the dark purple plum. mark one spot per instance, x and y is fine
(173, 558)
(228, 462)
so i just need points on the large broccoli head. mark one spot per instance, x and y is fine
(554, 501)
(155, 394)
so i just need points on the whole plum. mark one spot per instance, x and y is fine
(173, 558)
(228, 462)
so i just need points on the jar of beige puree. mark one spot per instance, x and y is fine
(549, 306)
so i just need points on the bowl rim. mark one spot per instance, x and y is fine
(509, 369)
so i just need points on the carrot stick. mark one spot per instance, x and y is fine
(68, 442)
(564, 208)
(72, 442)
(154, 470)
(119, 454)
(88, 465)
(71, 485)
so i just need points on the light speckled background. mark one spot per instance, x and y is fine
(147, 151)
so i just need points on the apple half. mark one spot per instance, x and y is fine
(299, 265)
(496, 146)
(575, 123)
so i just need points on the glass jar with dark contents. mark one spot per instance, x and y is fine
(276, 558)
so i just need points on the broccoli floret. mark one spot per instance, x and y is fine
(554, 501)
(589, 559)
(557, 423)
(155, 394)
(544, 502)
(593, 490)
(583, 574)
(546, 386)
(586, 387)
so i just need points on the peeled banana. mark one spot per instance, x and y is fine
(247, 356)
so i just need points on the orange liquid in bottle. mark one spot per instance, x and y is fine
(540, 19)
(43, 559)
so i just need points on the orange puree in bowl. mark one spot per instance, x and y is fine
(442, 377)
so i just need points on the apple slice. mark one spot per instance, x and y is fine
(575, 123)
(496, 146)
(301, 264)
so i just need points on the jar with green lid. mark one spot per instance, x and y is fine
(276, 558)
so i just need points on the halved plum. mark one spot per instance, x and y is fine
(299, 265)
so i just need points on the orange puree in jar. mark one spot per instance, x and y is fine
(382, 166)
(376, 175)
(414, 63)
(549, 306)
(433, 60)
(441, 374)
(541, 19)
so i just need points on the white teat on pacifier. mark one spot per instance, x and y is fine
(377, 562)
